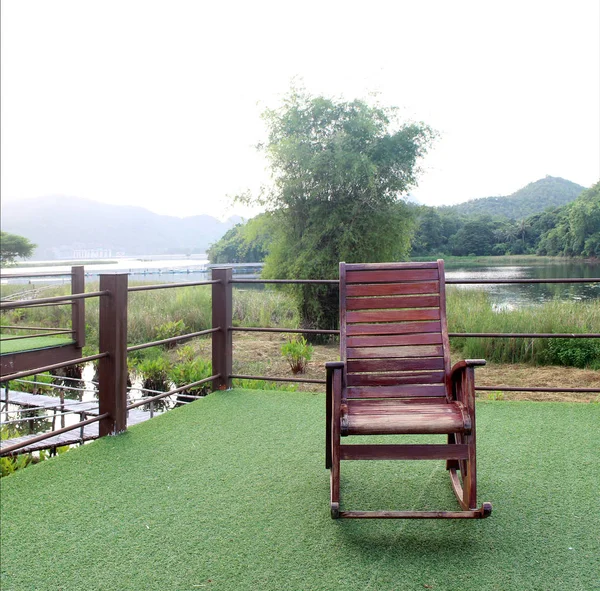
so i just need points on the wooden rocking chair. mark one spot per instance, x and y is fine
(394, 377)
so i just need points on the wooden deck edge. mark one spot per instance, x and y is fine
(32, 358)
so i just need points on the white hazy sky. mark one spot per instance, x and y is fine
(158, 104)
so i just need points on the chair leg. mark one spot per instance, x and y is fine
(465, 485)
(451, 464)
(335, 474)
(334, 396)
(470, 478)
(328, 434)
(335, 491)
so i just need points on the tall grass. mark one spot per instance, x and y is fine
(149, 311)
(473, 311)
(48, 316)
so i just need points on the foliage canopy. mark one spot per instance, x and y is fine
(13, 246)
(244, 243)
(570, 230)
(577, 229)
(339, 169)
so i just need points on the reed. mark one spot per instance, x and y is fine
(473, 311)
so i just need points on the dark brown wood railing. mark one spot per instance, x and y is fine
(19, 361)
(113, 294)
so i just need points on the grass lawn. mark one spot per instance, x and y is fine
(230, 493)
(18, 345)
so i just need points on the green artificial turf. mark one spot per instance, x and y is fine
(19, 345)
(230, 493)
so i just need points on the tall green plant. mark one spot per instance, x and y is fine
(297, 352)
(188, 372)
(339, 169)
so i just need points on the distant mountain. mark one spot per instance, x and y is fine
(533, 198)
(67, 227)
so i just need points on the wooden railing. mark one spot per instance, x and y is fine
(22, 360)
(112, 388)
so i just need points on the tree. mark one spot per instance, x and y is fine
(244, 243)
(13, 246)
(339, 169)
(576, 231)
(476, 237)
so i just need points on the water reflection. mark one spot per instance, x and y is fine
(514, 295)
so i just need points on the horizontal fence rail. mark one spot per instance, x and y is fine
(41, 274)
(31, 372)
(276, 379)
(183, 337)
(503, 281)
(284, 330)
(60, 300)
(535, 389)
(43, 417)
(527, 335)
(169, 285)
(289, 281)
(171, 392)
(35, 335)
(44, 328)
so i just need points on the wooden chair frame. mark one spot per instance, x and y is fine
(413, 410)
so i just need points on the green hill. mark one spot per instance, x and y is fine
(533, 198)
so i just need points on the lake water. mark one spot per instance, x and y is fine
(171, 269)
(515, 295)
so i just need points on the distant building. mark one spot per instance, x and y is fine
(92, 253)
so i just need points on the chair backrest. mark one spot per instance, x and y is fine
(393, 331)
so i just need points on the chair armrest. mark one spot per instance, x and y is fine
(331, 367)
(461, 365)
(336, 365)
(462, 382)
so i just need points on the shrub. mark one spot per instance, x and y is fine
(573, 352)
(169, 330)
(155, 373)
(298, 353)
(189, 372)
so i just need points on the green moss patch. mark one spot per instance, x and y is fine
(20, 345)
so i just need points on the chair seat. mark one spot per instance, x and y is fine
(397, 417)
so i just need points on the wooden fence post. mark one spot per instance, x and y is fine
(222, 344)
(112, 370)
(78, 306)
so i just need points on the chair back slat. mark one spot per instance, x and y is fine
(390, 275)
(401, 351)
(417, 301)
(357, 289)
(426, 338)
(385, 365)
(426, 391)
(393, 334)
(397, 329)
(392, 378)
(397, 315)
